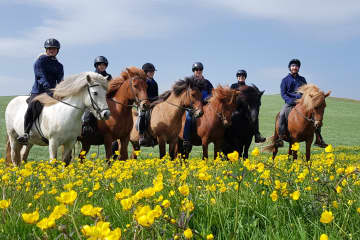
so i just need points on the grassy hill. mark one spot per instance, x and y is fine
(341, 124)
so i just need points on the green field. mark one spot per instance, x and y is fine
(341, 125)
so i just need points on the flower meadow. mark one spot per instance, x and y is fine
(151, 198)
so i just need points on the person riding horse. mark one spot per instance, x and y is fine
(289, 86)
(88, 119)
(48, 72)
(206, 91)
(153, 94)
(241, 76)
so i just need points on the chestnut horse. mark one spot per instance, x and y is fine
(165, 121)
(123, 91)
(211, 126)
(303, 119)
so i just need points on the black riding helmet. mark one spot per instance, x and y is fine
(241, 73)
(294, 61)
(52, 43)
(197, 65)
(148, 67)
(100, 59)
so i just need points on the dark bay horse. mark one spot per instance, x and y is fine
(166, 115)
(211, 126)
(303, 119)
(123, 91)
(239, 135)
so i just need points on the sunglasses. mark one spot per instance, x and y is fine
(197, 69)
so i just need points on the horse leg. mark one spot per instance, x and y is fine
(162, 147)
(205, 147)
(67, 152)
(108, 144)
(15, 151)
(308, 147)
(172, 146)
(53, 147)
(124, 142)
(216, 149)
(25, 153)
(136, 147)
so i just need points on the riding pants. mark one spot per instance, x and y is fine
(283, 119)
(188, 126)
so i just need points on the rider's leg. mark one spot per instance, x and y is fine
(187, 132)
(89, 123)
(283, 124)
(258, 137)
(142, 126)
(30, 116)
(319, 140)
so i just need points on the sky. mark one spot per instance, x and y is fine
(258, 36)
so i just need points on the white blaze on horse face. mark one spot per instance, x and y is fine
(96, 101)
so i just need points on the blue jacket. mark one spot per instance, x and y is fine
(104, 73)
(206, 88)
(48, 72)
(152, 90)
(236, 85)
(289, 86)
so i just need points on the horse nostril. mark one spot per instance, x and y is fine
(107, 114)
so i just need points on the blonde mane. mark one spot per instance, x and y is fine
(312, 96)
(70, 86)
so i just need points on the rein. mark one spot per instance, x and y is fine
(190, 109)
(308, 119)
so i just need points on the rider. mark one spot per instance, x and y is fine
(289, 86)
(241, 76)
(89, 120)
(206, 91)
(153, 94)
(48, 72)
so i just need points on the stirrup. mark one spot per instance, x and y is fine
(321, 144)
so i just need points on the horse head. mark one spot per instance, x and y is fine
(137, 86)
(190, 95)
(249, 101)
(225, 99)
(314, 101)
(95, 99)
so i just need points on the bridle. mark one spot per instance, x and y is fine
(189, 109)
(138, 102)
(94, 105)
(311, 119)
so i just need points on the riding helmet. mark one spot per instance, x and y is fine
(148, 67)
(294, 61)
(52, 43)
(100, 59)
(241, 73)
(197, 65)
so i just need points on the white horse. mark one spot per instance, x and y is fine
(60, 119)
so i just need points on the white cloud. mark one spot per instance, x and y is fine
(327, 12)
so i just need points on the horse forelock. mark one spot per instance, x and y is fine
(312, 96)
(222, 94)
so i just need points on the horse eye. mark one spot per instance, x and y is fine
(95, 93)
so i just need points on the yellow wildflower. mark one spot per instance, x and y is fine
(255, 152)
(165, 203)
(5, 203)
(324, 236)
(46, 223)
(31, 218)
(295, 195)
(188, 233)
(274, 196)
(233, 157)
(67, 197)
(210, 237)
(329, 148)
(295, 147)
(184, 190)
(89, 210)
(326, 217)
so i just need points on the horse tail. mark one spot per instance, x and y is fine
(8, 150)
(271, 147)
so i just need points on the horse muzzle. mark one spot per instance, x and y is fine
(105, 114)
(198, 113)
(317, 124)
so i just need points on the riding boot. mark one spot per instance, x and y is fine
(28, 122)
(187, 133)
(89, 124)
(319, 142)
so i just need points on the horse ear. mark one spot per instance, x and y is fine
(129, 71)
(108, 78)
(327, 94)
(88, 78)
(262, 92)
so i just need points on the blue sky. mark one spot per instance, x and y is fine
(259, 36)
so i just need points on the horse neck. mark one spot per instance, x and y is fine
(175, 111)
(122, 96)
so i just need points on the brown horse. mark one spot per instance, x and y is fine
(129, 88)
(303, 119)
(211, 126)
(165, 122)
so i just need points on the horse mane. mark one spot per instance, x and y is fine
(312, 96)
(178, 88)
(70, 86)
(116, 82)
(222, 94)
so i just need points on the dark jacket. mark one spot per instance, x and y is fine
(152, 90)
(289, 86)
(105, 74)
(48, 72)
(236, 85)
(206, 89)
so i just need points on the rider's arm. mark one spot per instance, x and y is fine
(40, 73)
(289, 97)
(61, 74)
